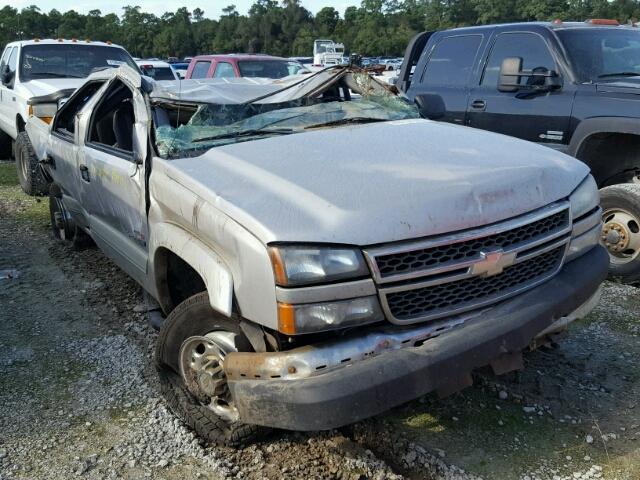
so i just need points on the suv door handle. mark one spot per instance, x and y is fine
(478, 104)
(84, 173)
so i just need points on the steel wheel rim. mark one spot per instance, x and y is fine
(201, 361)
(620, 235)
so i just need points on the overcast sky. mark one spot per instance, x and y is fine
(212, 8)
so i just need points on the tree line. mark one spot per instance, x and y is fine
(376, 27)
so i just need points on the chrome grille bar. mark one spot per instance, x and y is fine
(462, 239)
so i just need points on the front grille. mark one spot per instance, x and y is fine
(433, 257)
(450, 274)
(435, 300)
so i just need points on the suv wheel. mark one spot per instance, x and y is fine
(621, 230)
(193, 342)
(30, 173)
(6, 144)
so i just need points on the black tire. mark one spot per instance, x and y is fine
(195, 317)
(30, 175)
(6, 144)
(62, 225)
(623, 198)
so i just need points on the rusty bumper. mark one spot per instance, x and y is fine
(359, 389)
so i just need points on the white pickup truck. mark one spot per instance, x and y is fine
(320, 256)
(35, 76)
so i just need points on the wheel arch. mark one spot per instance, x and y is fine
(183, 264)
(20, 124)
(609, 146)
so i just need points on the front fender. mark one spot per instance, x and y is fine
(209, 265)
(38, 132)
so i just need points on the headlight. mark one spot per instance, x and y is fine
(586, 228)
(317, 317)
(584, 198)
(44, 111)
(295, 265)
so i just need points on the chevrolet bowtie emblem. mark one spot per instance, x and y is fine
(493, 263)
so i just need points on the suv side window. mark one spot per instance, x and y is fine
(224, 70)
(530, 47)
(451, 61)
(5, 57)
(13, 60)
(200, 70)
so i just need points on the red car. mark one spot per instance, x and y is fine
(242, 65)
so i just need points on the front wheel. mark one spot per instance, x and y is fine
(193, 343)
(621, 230)
(30, 175)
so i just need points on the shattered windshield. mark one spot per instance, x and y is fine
(213, 125)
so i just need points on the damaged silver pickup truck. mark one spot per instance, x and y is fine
(322, 253)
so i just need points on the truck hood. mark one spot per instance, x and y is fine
(627, 85)
(377, 183)
(37, 88)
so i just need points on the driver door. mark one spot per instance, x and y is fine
(542, 117)
(112, 175)
(8, 104)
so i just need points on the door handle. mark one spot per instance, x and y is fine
(478, 104)
(84, 173)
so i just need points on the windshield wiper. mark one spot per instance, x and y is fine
(54, 75)
(345, 121)
(245, 133)
(620, 74)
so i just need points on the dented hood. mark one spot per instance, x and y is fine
(377, 183)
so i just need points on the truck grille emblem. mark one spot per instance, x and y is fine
(493, 263)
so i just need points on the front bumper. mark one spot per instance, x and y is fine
(364, 388)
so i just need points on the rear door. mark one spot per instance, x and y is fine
(63, 146)
(541, 117)
(444, 74)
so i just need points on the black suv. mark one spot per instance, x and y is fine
(574, 87)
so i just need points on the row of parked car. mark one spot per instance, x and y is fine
(319, 251)
(223, 66)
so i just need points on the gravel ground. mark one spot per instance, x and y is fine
(80, 400)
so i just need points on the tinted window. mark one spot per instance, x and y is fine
(451, 62)
(597, 53)
(264, 68)
(69, 61)
(530, 47)
(224, 70)
(200, 70)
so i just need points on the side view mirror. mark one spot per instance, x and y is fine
(539, 79)
(430, 105)
(6, 76)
